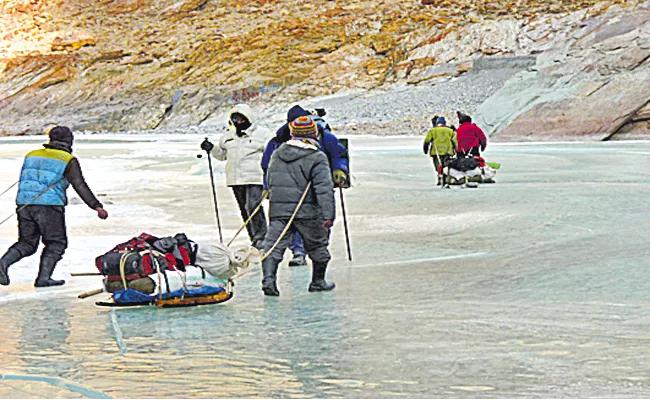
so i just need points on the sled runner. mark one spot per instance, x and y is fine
(180, 298)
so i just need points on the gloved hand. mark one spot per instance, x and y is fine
(328, 223)
(101, 213)
(265, 194)
(340, 177)
(207, 145)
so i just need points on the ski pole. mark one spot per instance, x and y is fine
(214, 195)
(345, 224)
(9, 188)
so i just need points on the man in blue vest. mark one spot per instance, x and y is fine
(41, 201)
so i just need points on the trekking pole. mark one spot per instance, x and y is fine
(442, 167)
(9, 188)
(345, 224)
(214, 195)
(32, 200)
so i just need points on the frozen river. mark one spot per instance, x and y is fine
(536, 286)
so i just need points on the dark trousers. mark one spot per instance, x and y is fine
(42, 223)
(474, 151)
(314, 235)
(248, 198)
(443, 158)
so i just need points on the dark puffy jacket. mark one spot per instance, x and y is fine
(336, 154)
(469, 135)
(293, 166)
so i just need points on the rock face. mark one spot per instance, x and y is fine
(593, 83)
(121, 64)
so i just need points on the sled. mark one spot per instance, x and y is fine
(191, 298)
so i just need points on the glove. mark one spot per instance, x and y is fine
(207, 145)
(328, 223)
(265, 194)
(340, 177)
(101, 213)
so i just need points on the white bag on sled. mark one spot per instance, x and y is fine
(223, 262)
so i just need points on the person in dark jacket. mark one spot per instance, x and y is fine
(41, 200)
(296, 164)
(471, 139)
(336, 153)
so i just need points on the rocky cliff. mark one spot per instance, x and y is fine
(161, 64)
(594, 82)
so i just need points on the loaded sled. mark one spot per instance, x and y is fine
(167, 272)
(463, 170)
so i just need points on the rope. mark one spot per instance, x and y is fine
(284, 231)
(9, 188)
(246, 223)
(122, 267)
(32, 200)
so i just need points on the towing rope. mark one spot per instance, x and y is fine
(284, 232)
(246, 223)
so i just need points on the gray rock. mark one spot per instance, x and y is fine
(593, 85)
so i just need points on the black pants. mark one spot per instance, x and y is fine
(42, 223)
(474, 151)
(248, 198)
(314, 235)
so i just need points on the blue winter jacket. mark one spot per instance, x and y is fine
(42, 169)
(337, 155)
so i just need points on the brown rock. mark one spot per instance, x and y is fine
(72, 41)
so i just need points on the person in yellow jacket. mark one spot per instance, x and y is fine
(440, 144)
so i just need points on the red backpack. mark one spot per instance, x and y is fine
(145, 254)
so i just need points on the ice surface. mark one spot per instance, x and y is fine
(536, 286)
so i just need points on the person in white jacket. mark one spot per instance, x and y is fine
(242, 149)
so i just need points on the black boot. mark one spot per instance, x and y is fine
(298, 260)
(270, 269)
(318, 282)
(12, 256)
(45, 271)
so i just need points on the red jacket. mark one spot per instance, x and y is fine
(469, 135)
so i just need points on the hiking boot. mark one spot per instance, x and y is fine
(45, 271)
(298, 260)
(11, 257)
(270, 269)
(318, 282)
(270, 289)
(439, 181)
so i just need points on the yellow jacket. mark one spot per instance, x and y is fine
(441, 139)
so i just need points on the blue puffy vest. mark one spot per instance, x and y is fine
(42, 169)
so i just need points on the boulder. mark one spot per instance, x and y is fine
(591, 84)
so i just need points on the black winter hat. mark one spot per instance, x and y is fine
(462, 118)
(61, 134)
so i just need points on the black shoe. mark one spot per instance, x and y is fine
(45, 271)
(321, 286)
(4, 278)
(318, 282)
(298, 261)
(270, 289)
(270, 269)
(11, 257)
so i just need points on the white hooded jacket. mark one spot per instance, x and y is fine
(243, 155)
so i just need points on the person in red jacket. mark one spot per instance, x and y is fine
(471, 139)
